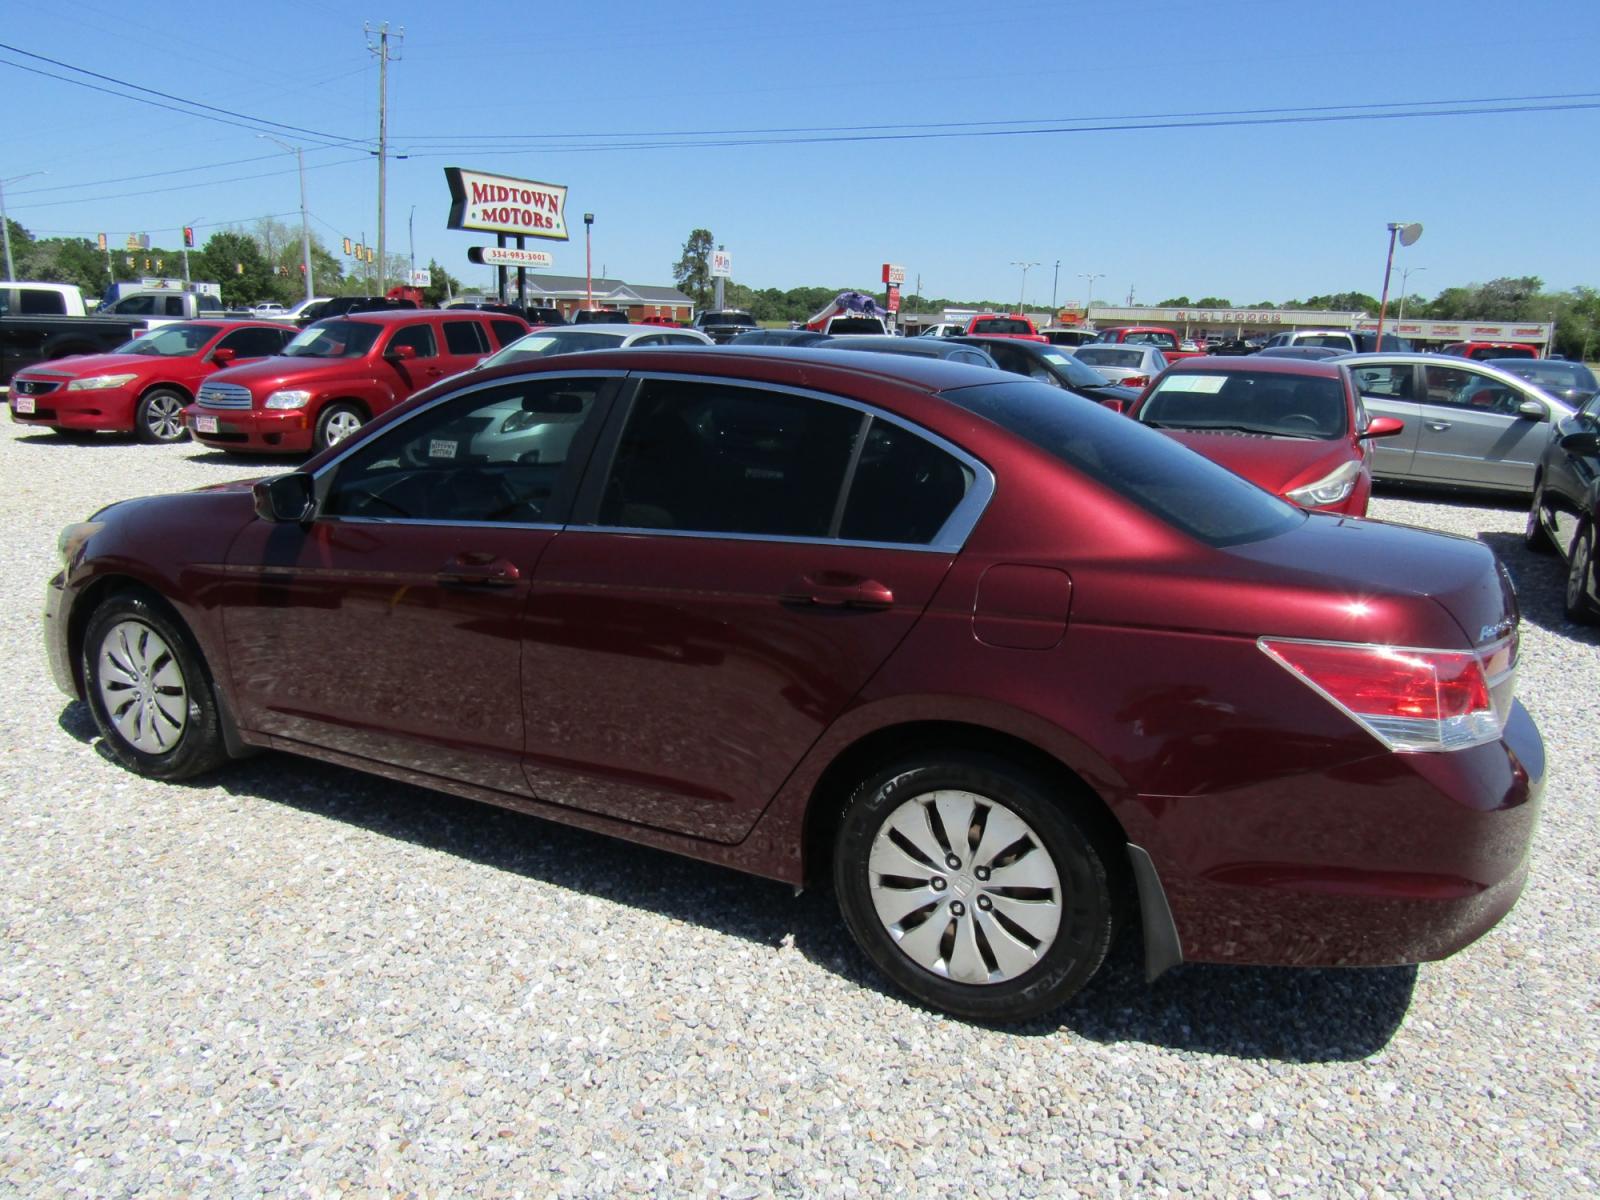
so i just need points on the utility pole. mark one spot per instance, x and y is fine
(384, 53)
(1054, 279)
(1022, 295)
(305, 226)
(5, 223)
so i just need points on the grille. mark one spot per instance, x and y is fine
(34, 387)
(224, 395)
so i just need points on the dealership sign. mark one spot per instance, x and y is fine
(893, 273)
(499, 204)
(510, 256)
(721, 264)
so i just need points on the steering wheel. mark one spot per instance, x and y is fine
(1301, 419)
(364, 495)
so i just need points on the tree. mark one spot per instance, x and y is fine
(443, 286)
(235, 261)
(1176, 302)
(692, 271)
(1212, 302)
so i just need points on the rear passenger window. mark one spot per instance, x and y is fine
(904, 488)
(506, 332)
(464, 337)
(43, 303)
(718, 459)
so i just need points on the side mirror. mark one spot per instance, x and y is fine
(400, 353)
(1384, 427)
(1583, 442)
(1533, 410)
(285, 498)
(222, 356)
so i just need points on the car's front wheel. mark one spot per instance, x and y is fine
(1581, 584)
(972, 885)
(1534, 535)
(159, 417)
(149, 690)
(337, 422)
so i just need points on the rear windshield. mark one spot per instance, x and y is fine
(554, 341)
(1188, 492)
(1001, 325)
(855, 325)
(1077, 372)
(1544, 371)
(1109, 356)
(170, 341)
(1265, 402)
(334, 339)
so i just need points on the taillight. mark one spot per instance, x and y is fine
(1409, 699)
(1137, 381)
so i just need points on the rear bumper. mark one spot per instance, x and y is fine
(1402, 858)
(259, 431)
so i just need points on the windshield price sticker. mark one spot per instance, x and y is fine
(1193, 383)
(439, 448)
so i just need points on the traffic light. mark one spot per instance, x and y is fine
(347, 247)
(147, 264)
(188, 237)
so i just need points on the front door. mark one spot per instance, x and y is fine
(725, 601)
(1390, 390)
(389, 627)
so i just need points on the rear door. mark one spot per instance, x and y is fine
(1390, 390)
(721, 596)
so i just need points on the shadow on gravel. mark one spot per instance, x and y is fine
(1286, 1014)
(1453, 497)
(1541, 581)
(223, 458)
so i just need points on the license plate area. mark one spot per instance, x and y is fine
(24, 404)
(205, 424)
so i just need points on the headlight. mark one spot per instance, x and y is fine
(73, 537)
(1330, 489)
(288, 398)
(95, 383)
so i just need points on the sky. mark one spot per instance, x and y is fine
(1166, 148)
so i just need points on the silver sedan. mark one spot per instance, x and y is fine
(1467, 424)
(1130, 366)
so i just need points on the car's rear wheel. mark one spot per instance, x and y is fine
(971, 885)
(1581, 585)
(1534, 535)
(337, 422)
(159, 417)
(149, 690)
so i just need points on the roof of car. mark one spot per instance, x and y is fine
(1323, 368)
(392, 316)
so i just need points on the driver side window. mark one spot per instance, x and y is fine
(418, 337)
(501, 455)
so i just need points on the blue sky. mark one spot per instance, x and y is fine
(617, 101)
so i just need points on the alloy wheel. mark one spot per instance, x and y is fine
(163, 417)
(141, 687)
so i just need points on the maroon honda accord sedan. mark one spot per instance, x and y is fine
(1012, 670)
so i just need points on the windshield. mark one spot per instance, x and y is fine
(1188, 492)
(1109, 356)
(170, 341)
(1543, 371)
(545, 342)
(1001, 325)
(1268, 402)
(334, 339)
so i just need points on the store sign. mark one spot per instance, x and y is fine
(500, 204)
(893, 273)
(721, 264)
(1220, 316)
(421, 277)
(894, 297)
(509, 256)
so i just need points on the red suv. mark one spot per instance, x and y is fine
(338, 374)
(1294, 426)
(1012, 670)
(143, 385)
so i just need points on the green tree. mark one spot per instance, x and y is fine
(235, 261)
(443, 286)
(1213, 302)
(1337, 302)
(692, 271)
(1176, 302)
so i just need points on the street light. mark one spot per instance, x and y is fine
(1404, 275)
(1022, 296)
(305, 228)
(1054, 280)
(588, 261)
(1407, 232)
(5, 223)
(1091, 276)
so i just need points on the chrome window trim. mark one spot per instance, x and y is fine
(952, 535)
(338, 519)
(766, 538)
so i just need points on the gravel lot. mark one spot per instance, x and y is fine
(296, 980)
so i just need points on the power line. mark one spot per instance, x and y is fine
(86, 233)
(326, 138)
(184, 187)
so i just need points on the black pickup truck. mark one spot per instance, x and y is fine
(39, 322)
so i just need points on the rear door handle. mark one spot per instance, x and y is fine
(833, 589)
(1438, 426)
(477, 570)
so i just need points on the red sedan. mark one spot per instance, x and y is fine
(142, 386)
(1293, 426)
(1012, 670)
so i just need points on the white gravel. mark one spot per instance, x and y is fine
(294, 980)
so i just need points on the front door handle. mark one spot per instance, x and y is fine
(838, 589)
(478, 570)
(1438, 426)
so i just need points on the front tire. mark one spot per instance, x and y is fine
(1580, 602)
(1534, 535)
(972, 886)
(149, 690)
(337, 422)
(158, 419)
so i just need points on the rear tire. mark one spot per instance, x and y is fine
(337, 422)
(149, 689)
(1580, 603)
(973, 887)
(158, 419)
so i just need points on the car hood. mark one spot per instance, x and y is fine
(1278, 464)
(81, 366)
(270, 372)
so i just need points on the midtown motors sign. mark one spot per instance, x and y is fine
(497, 204)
